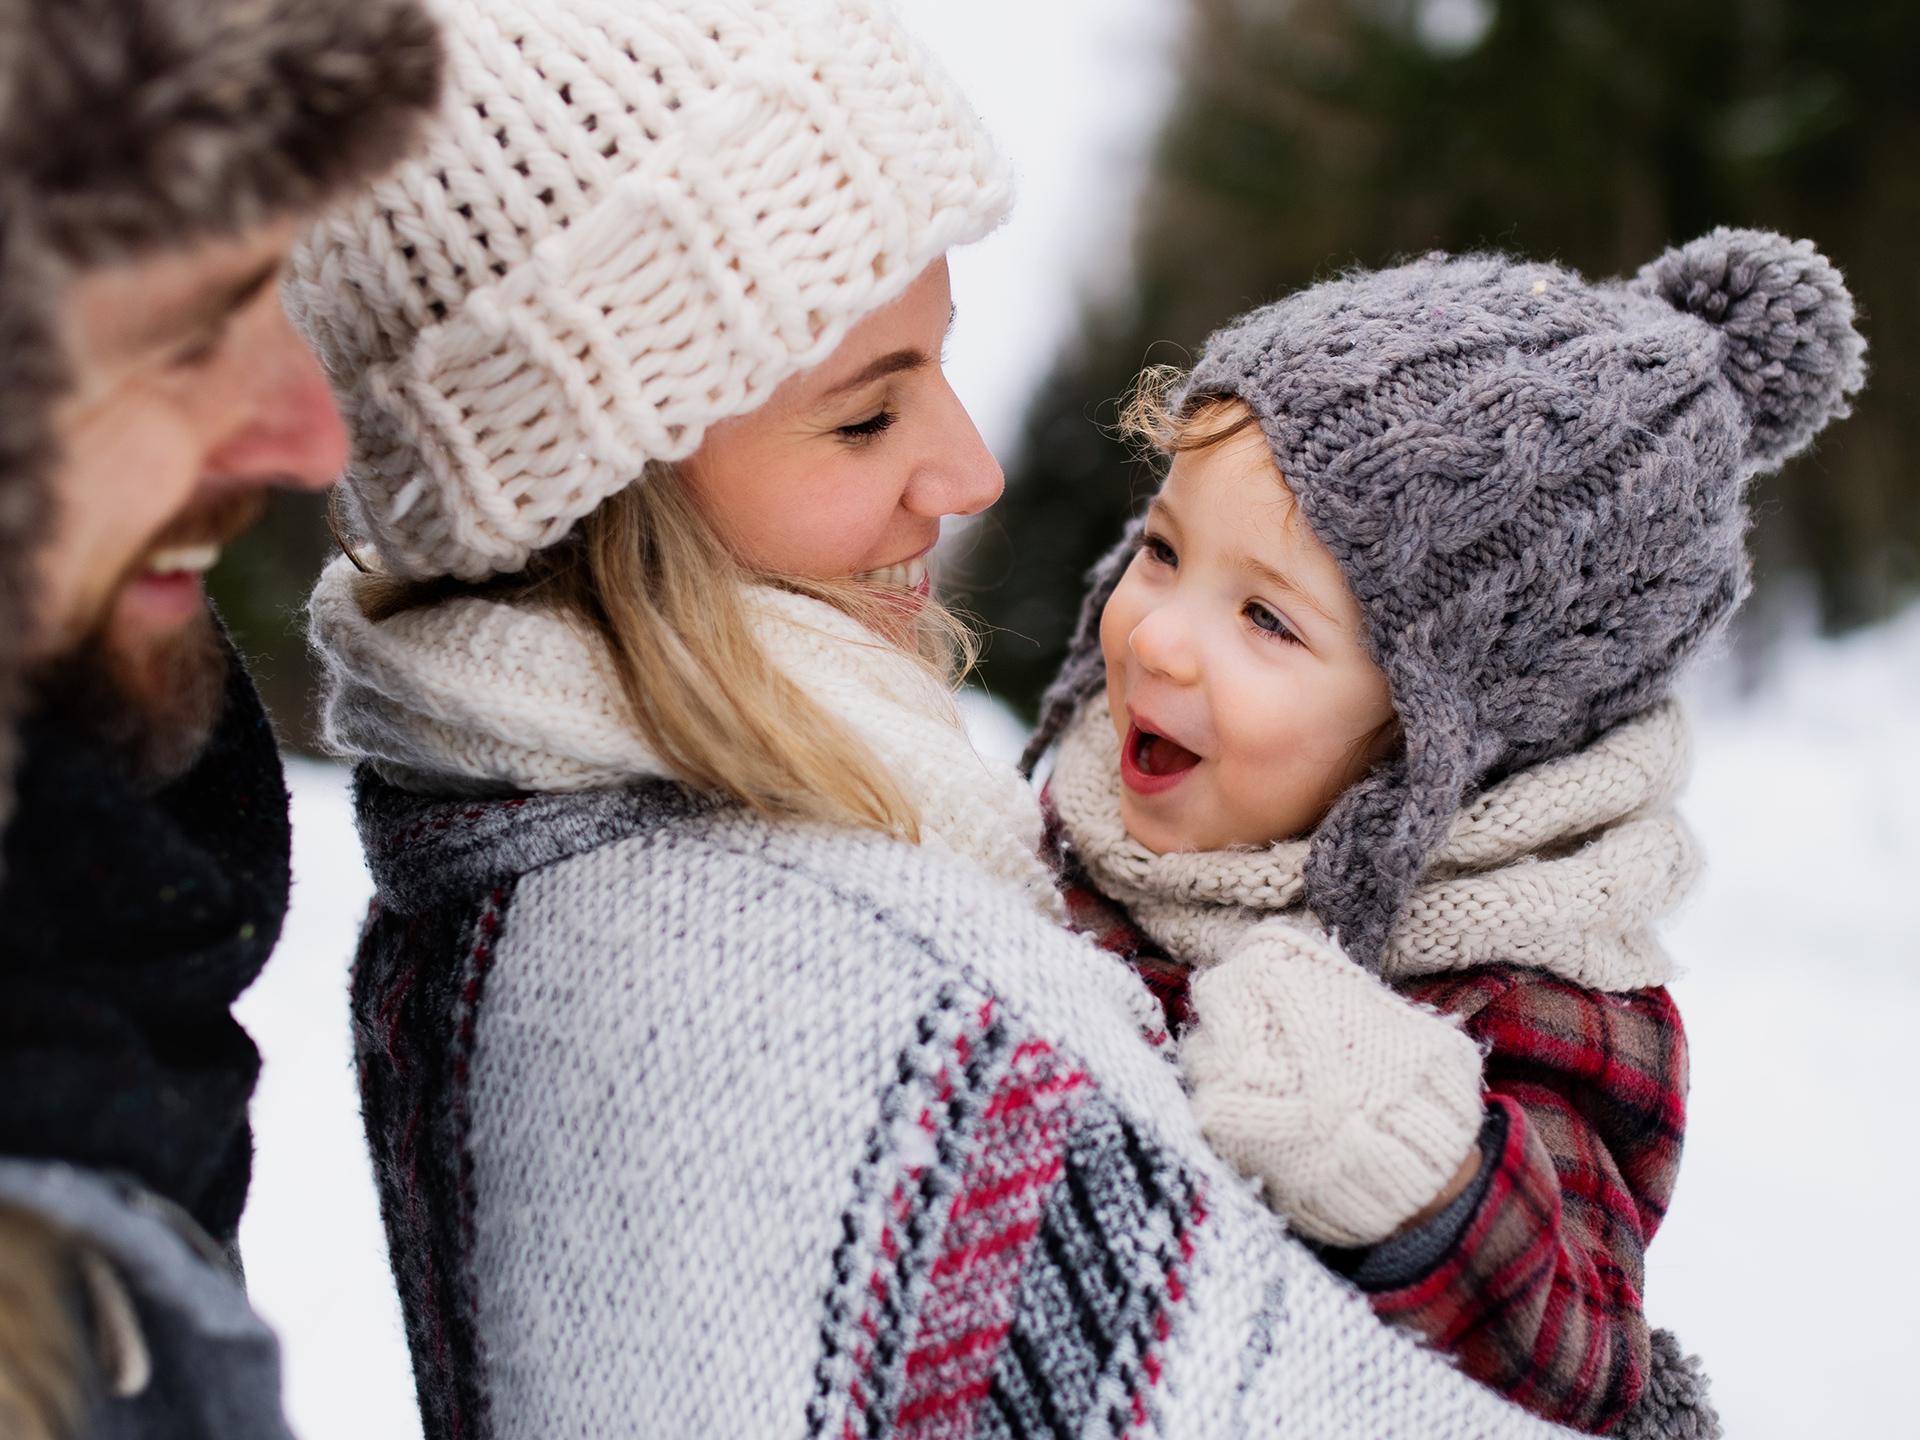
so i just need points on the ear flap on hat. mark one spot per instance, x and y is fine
(1084, 671)
(1370, 851)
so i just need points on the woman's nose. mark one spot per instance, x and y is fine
(959, 476)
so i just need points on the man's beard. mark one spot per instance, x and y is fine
(154, 710)
(154, 702)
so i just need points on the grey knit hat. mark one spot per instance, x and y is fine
(1535, 486)
(128, 127)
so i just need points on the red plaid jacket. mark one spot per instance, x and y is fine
(1534, 1284)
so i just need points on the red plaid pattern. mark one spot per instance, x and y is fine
(1541, 1298)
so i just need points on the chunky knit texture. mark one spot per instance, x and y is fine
(1534, 486)
(1563, 868)
(1539, 1295)
(772, 1129)
(508, 697)
(633, 221)
(1351, 1105)
(716, 1127)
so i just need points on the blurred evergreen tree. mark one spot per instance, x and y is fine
(1308, 135)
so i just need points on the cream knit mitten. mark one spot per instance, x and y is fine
(1353, 1106)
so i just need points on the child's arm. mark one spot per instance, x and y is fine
(1532, 1279)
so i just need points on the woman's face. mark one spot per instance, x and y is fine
(848, 469)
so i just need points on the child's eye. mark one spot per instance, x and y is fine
(871, 428)
(1158, 551)
(1269, 623)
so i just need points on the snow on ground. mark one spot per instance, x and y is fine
(1783, 1261)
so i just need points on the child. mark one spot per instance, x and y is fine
(1367, 727)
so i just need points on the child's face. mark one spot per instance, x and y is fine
(1242, 692)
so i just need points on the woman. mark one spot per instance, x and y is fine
(726, 1070)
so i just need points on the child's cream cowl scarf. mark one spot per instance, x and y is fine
(480, 694)
(1354, 1105)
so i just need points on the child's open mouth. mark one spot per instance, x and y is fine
(1150, 763)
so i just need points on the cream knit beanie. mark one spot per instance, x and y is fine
(634, 218)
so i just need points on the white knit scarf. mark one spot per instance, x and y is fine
(482, 694)
(1562, 868)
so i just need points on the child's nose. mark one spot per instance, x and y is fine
(1162, 641)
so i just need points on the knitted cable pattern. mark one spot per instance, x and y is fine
(632, 221)
(1535, 486)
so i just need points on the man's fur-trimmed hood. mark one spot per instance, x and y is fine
(132, 127)
(30, 374)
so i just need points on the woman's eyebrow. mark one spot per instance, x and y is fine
(894, 363)
(891, 364)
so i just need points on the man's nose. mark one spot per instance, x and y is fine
(290, 433)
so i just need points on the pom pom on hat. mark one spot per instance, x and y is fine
(1793, 354)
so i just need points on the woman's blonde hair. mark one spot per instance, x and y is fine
(647, 575)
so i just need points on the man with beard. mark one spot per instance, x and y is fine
(156, 159)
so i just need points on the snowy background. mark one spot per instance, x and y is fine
(1784, 1261)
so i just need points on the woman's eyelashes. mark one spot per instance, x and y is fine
(1158, 550)
(871, 428)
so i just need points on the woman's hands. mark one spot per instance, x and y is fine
(1358, 1110)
